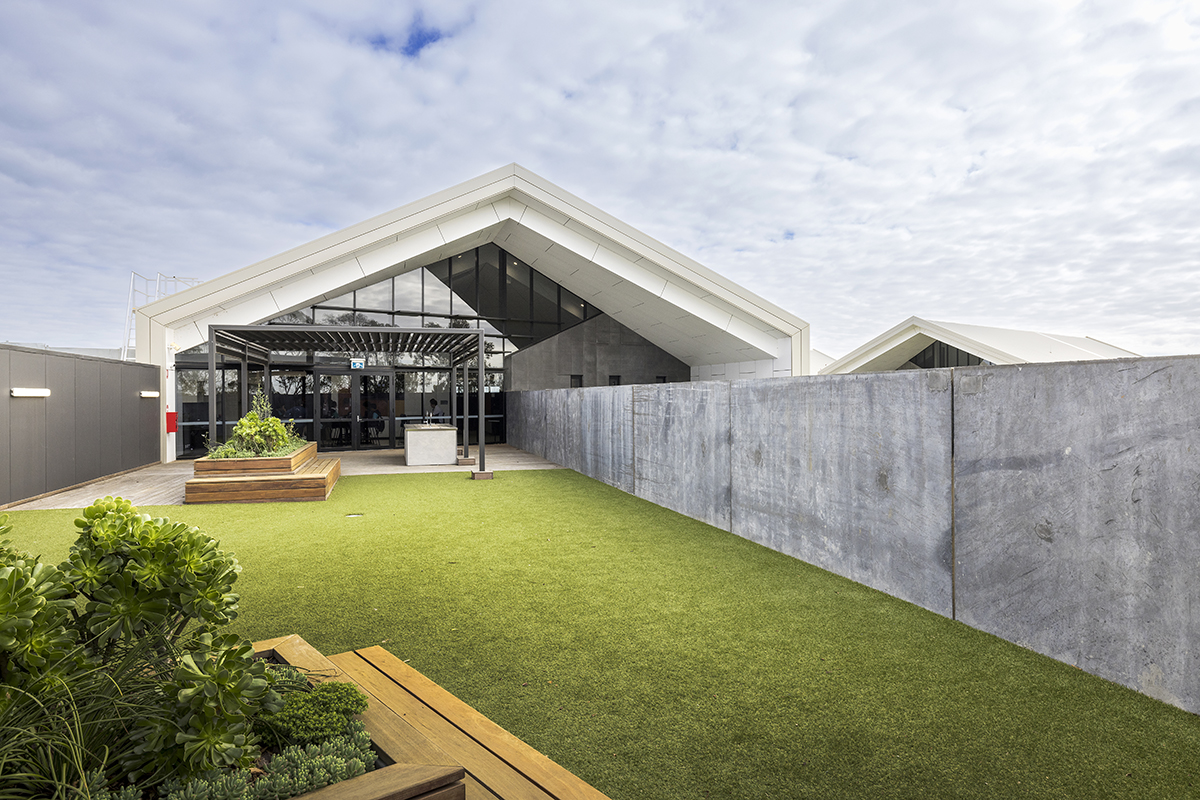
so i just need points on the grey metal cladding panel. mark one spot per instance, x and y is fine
(606, 435)
(88, 420)
(563, 427)
(131, 417)
(110, 419)
(6, 495)
(1077, 515)
(27, 432)
(681, 448)
(150, 424)
(850, 473)
(60, 423)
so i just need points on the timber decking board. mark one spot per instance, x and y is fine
(413, 721)
(493, 772)
(392, 736)
(553, 778)
(397, 782)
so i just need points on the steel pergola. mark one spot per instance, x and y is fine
(259, 343)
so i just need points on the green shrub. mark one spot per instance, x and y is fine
(258, 434)
(98, 673)
(291, 772)
(315, 715)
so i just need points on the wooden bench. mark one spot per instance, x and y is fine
(416, 723)
(310, 479)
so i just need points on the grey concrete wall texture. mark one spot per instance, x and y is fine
(681, 448)
(1077, 515)
(93, 423)
(1066, 494)
(595, 349)
(852, 474)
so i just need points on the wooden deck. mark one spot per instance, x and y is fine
(162, 484)
(422, 728)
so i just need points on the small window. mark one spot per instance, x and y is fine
(576, 381)
(660, 378)
(614, 380)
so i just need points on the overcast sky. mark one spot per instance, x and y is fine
(1023, 164)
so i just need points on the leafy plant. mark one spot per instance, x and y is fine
(98, 672)
(258, 434)
(292, 772)
(316, 715)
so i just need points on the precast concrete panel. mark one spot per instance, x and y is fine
(514, 427)
(60, 423)
(6, 494)
(850, 473)
(88, 421)
(535, 422)
(681, 448)
(1077, 515)
(563, 428)
(606, 435)
(27, 432)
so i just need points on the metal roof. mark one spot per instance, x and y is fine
(460, 344)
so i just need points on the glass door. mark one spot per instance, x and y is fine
(372, 398)
(355, 410)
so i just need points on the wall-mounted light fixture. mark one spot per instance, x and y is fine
(17, 392)
(149, 393)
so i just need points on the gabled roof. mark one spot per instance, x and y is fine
(681, 306)
(896, 347)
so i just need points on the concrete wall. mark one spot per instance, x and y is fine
(1078, 515)
(1054, 505)
(93, 423)
(595, 349)
(850, 475)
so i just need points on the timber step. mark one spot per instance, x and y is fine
(414, 721)
(314, 479)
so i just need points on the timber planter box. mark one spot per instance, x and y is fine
(410, 772)
(299, 476)
(276, 465)
(437, 747)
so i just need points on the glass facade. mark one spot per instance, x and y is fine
(484, 288)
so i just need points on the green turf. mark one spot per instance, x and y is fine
(658, 657)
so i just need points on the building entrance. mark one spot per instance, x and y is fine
(356, 410)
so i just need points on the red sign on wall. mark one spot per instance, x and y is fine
(172, 421)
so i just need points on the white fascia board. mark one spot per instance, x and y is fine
(984, 350)
(460, 226)
(682, 298)
(877, 354)
(763, 343)
(337, 245)
(628, 271)
(400, 251)
(559, 234)
(638, 242)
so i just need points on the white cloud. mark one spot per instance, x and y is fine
(1027, 164)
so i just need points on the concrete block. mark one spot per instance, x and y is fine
(426, 445)
(1077, 515)
(681, 448)
(850, 473)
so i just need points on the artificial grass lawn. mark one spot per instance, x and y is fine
(658, 657)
